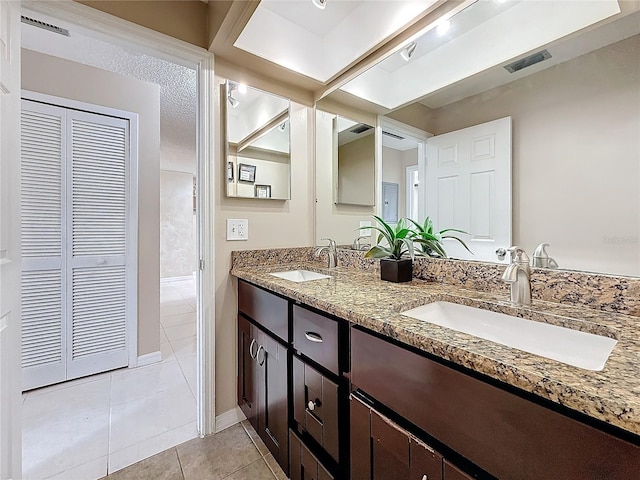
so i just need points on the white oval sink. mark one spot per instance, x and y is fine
(573, 347)
(300, 275)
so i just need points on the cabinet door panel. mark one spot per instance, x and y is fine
(453, 473)
(272, 418)
(360, 441)
(247, 370)
(390, 446)
(425, 463)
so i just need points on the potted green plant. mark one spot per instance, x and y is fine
(430, 241)
(394, 265)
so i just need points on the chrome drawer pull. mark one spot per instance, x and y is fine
(261, 349)
(313, 404)
(252, 355)
(313, 337)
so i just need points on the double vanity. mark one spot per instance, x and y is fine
(345, 376)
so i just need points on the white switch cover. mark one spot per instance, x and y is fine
(367, 231)
(237, 229)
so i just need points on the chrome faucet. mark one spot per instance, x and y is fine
(518, 275)
(332, 252)
(356, 244)
(541, 258)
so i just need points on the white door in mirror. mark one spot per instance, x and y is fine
(237, 229)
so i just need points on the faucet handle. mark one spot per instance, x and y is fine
(518, 255)
(332, 243)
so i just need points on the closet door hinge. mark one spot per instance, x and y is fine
(201, 264)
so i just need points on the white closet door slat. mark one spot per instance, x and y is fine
(42, 155)
(99, 187)
(99, 159)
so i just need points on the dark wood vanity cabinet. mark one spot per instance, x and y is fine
(263, 377)
(503, 434)
(382, 450)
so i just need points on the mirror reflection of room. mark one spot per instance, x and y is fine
(258, 143)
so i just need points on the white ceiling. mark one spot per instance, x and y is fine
(178, 85)
(322, 43)
(477, 35)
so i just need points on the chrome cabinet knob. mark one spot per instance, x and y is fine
(313, 404)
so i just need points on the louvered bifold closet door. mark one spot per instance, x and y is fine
(98, 179)
(43, 256)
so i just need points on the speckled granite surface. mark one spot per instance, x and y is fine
(356, 294)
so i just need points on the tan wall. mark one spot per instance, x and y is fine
(576, 156)
(339, 222)
(177, 239)
(182, 19)
(272, 223)
(393, 172)
(62, 78)
(357, 171)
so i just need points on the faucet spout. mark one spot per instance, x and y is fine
(518, 276)
(332, 252)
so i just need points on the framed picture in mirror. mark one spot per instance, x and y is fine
(246, 173)
(263, 191)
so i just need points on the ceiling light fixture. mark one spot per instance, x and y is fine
(320, 3)
(242, 88)
(233, 87)
(407, 51)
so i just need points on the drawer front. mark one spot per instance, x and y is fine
(315, 405)
(267, 309)
(316, 337)
(303, 464)
(508, 436)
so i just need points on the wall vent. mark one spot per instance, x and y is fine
(527, 61)
(393, 135)
(45, 26)
(360, 128)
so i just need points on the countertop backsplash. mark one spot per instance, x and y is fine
(592, 290)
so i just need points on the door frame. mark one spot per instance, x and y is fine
(394, 126)
(408, 187)
(144, 40)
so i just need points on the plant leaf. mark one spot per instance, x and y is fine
(378, 252)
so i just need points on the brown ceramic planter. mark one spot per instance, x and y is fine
(396, 270)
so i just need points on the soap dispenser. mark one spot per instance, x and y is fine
(541, 258)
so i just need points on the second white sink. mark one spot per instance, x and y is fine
(573, 347)
(300, 275)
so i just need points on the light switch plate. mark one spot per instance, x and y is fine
(367, 231)
(237, 229)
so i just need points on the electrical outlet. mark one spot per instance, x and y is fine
(367, 231)
(237, 229)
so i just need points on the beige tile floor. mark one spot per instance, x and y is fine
(86, 428)
(233, 454)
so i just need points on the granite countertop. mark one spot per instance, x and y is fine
(611, 395)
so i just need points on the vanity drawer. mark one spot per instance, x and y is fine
(316, 337)
(315, 405)
(266, 309)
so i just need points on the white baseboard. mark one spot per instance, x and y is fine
(229, 418)
(149, 358)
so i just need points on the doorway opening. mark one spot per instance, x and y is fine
(120, 396)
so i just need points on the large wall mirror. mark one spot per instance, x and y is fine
(345, 176)
(575, 116)
(258, 159)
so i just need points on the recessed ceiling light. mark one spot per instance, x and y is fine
(407, 51)
(320, 3)
(443, 27)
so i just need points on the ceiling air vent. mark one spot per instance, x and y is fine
(393, 135)
(358, 129)
(528, 61)
(45, 26)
